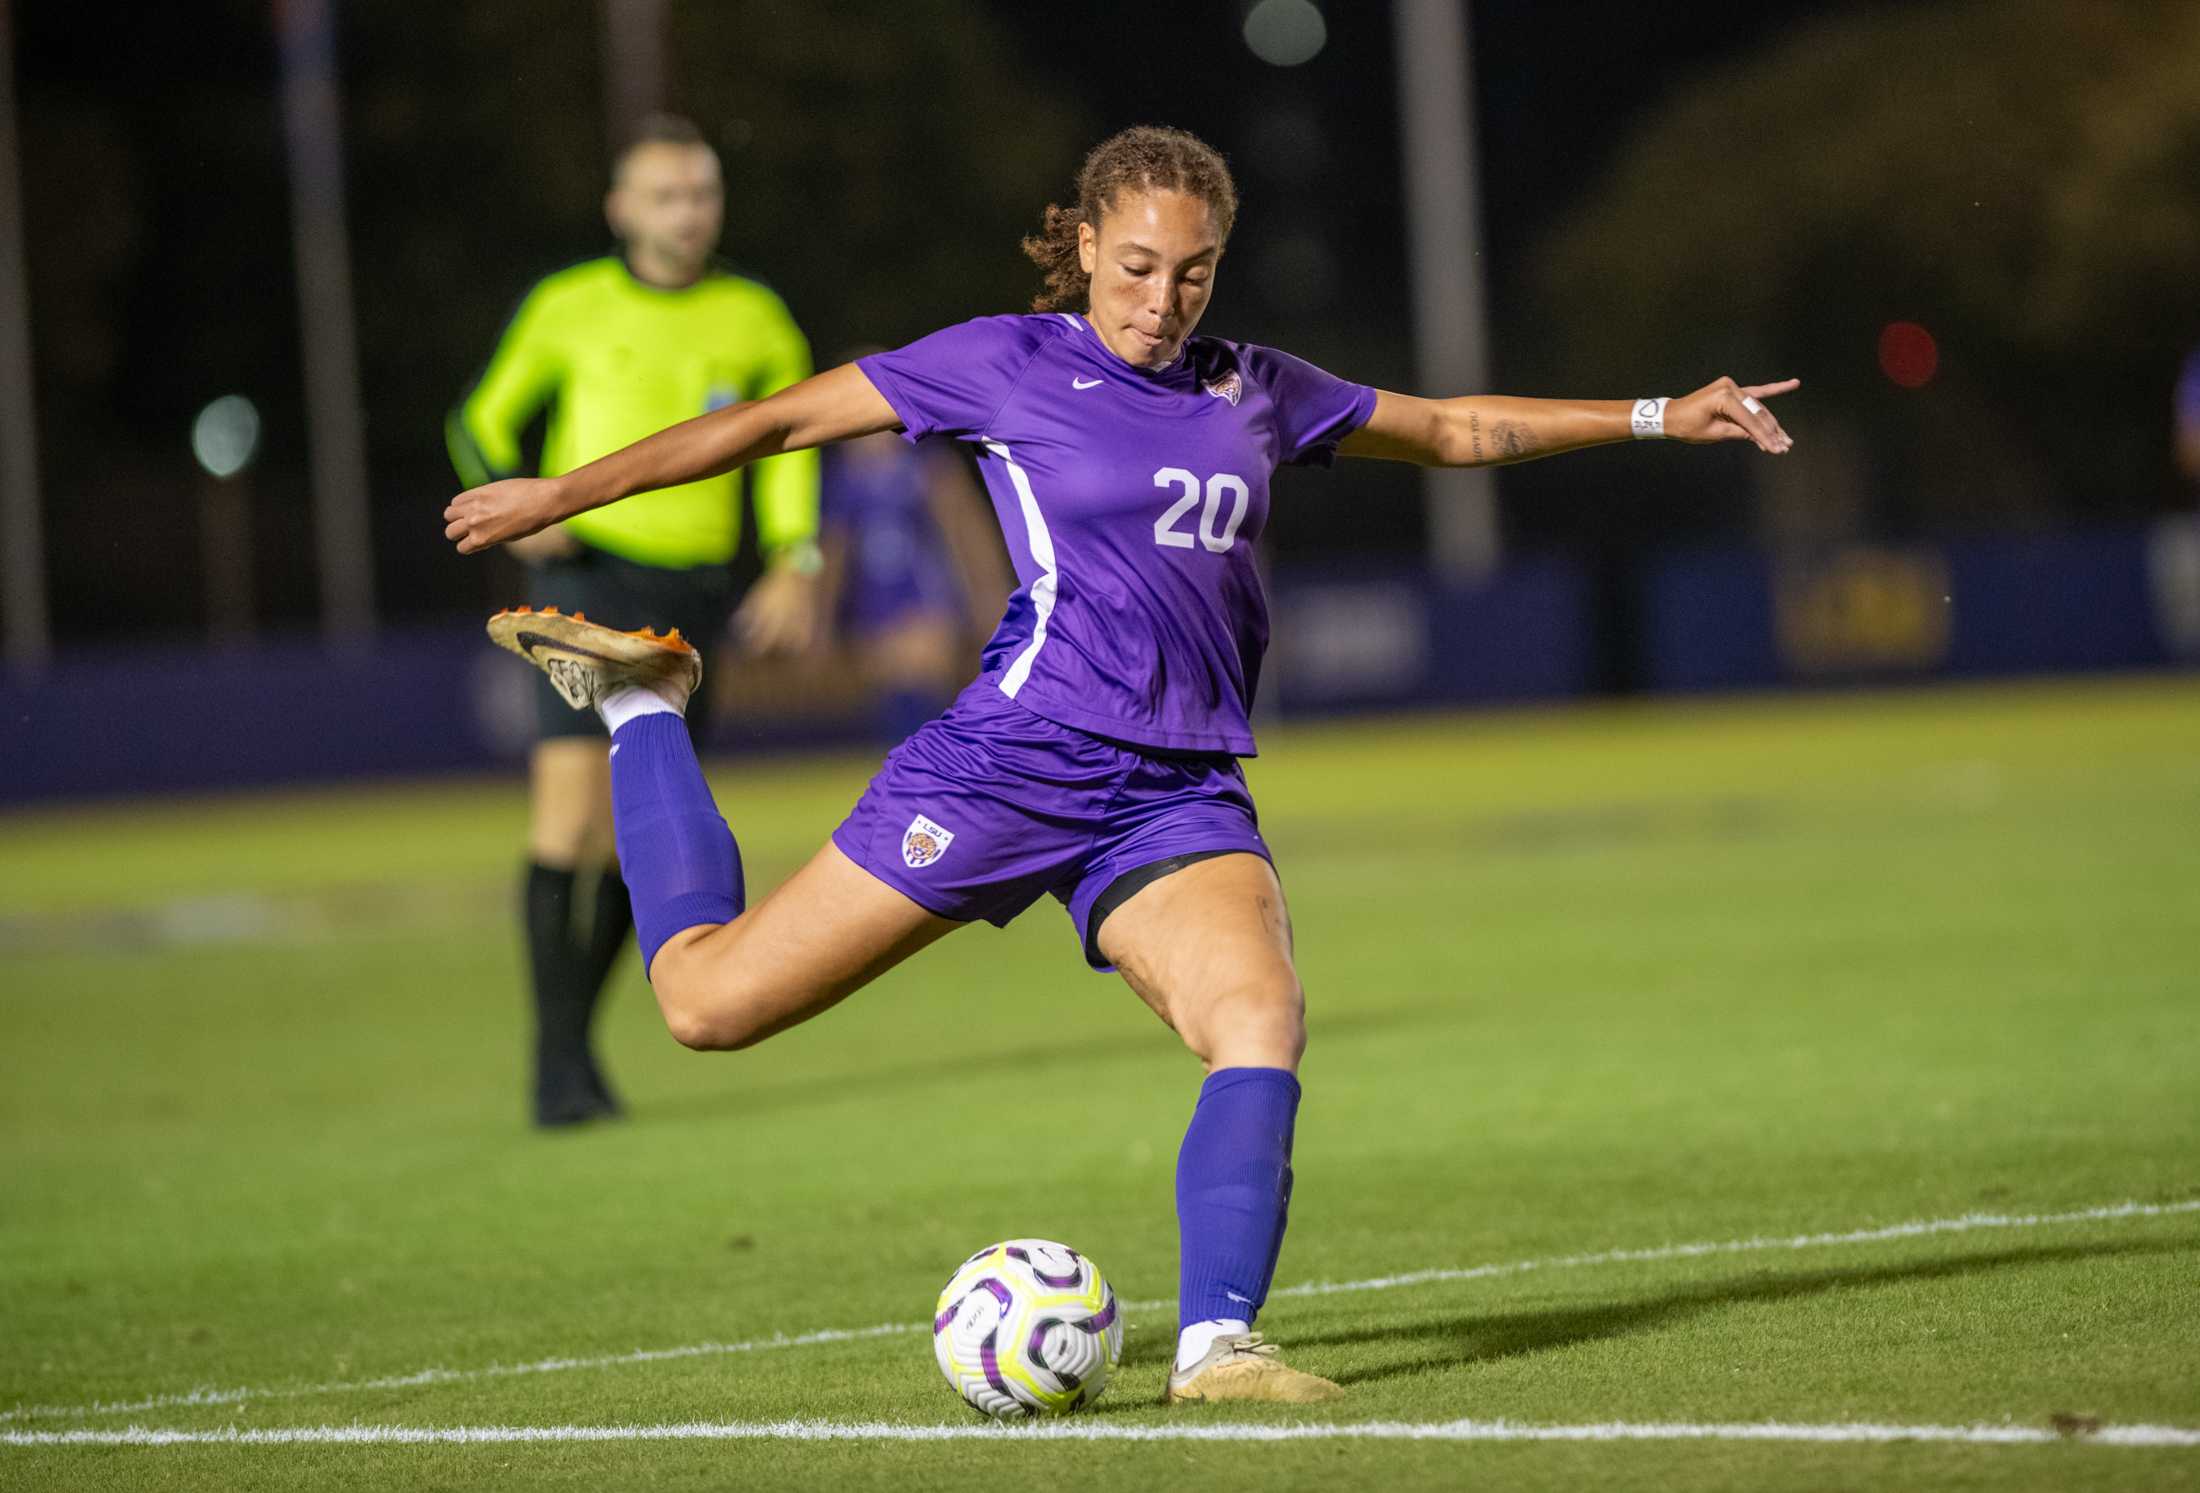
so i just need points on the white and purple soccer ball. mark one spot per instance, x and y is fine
(1027, 1327)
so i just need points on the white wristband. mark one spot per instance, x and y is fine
(1650, 419)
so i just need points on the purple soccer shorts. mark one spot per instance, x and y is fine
(990, 807)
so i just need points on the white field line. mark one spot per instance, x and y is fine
(1095, 1430)
(1966, 1223)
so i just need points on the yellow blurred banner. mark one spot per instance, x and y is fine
(1863, 610)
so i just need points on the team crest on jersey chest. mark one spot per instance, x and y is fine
(1228, 386)
(924, 842)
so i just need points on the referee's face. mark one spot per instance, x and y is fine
(667, 205)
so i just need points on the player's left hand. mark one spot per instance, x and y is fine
(780, 613)
(1726, 411)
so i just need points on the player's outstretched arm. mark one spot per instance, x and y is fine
(836, 405)
(1492, 430)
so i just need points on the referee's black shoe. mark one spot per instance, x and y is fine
(572, 1093)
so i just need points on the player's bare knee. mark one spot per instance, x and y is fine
(711, 1010)
(1260, 1024)
(696, 1009)
(691, 1026)
(711, 1025)
(692, 1022)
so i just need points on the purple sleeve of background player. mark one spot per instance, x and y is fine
(2188, 392)
(956, 380)
(1314, 409)
(833, 505)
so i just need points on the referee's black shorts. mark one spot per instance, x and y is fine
(619, 593)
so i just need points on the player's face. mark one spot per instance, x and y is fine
(1152, 263)
(669, 204)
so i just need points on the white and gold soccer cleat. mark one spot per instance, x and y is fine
(587, 661)
(1245, 1366)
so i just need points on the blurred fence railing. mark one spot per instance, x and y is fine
(104, 722)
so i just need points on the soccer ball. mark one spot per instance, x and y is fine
(1027, 1327)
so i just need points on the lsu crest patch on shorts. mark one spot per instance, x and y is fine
(924, 842)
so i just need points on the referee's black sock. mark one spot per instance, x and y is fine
(608, 932)
(565, 1086)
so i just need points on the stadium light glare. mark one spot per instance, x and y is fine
(1285, 33)
(226, 435)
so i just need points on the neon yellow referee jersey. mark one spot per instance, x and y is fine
(617, 359)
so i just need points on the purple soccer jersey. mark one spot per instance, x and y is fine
(898, 563)
(1130, 500)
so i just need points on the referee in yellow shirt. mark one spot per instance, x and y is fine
(619, 348)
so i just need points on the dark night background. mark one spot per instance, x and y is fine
(1668, 195)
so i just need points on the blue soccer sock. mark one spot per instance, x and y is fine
(1233, 1196)
(680, 862)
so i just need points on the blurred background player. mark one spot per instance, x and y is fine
(915, 574)
(614, 349)
(2185, 415)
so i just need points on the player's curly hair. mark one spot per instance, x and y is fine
(1142, 158)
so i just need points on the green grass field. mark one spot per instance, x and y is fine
(1582, 981)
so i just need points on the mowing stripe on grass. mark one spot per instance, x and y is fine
(1091, 1430)
(419, 1377)
(1922, 1228)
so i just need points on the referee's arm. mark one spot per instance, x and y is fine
(785, 486)
(483, 432)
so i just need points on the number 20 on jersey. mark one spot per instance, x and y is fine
(1213, 534)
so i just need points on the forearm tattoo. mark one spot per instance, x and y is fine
(1514, 441)
(1509, 440)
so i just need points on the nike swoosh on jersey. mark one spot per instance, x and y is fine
(1084, 383)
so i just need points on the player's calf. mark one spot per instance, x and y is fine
(681, 865)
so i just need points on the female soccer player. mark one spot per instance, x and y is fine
(1095, 755)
